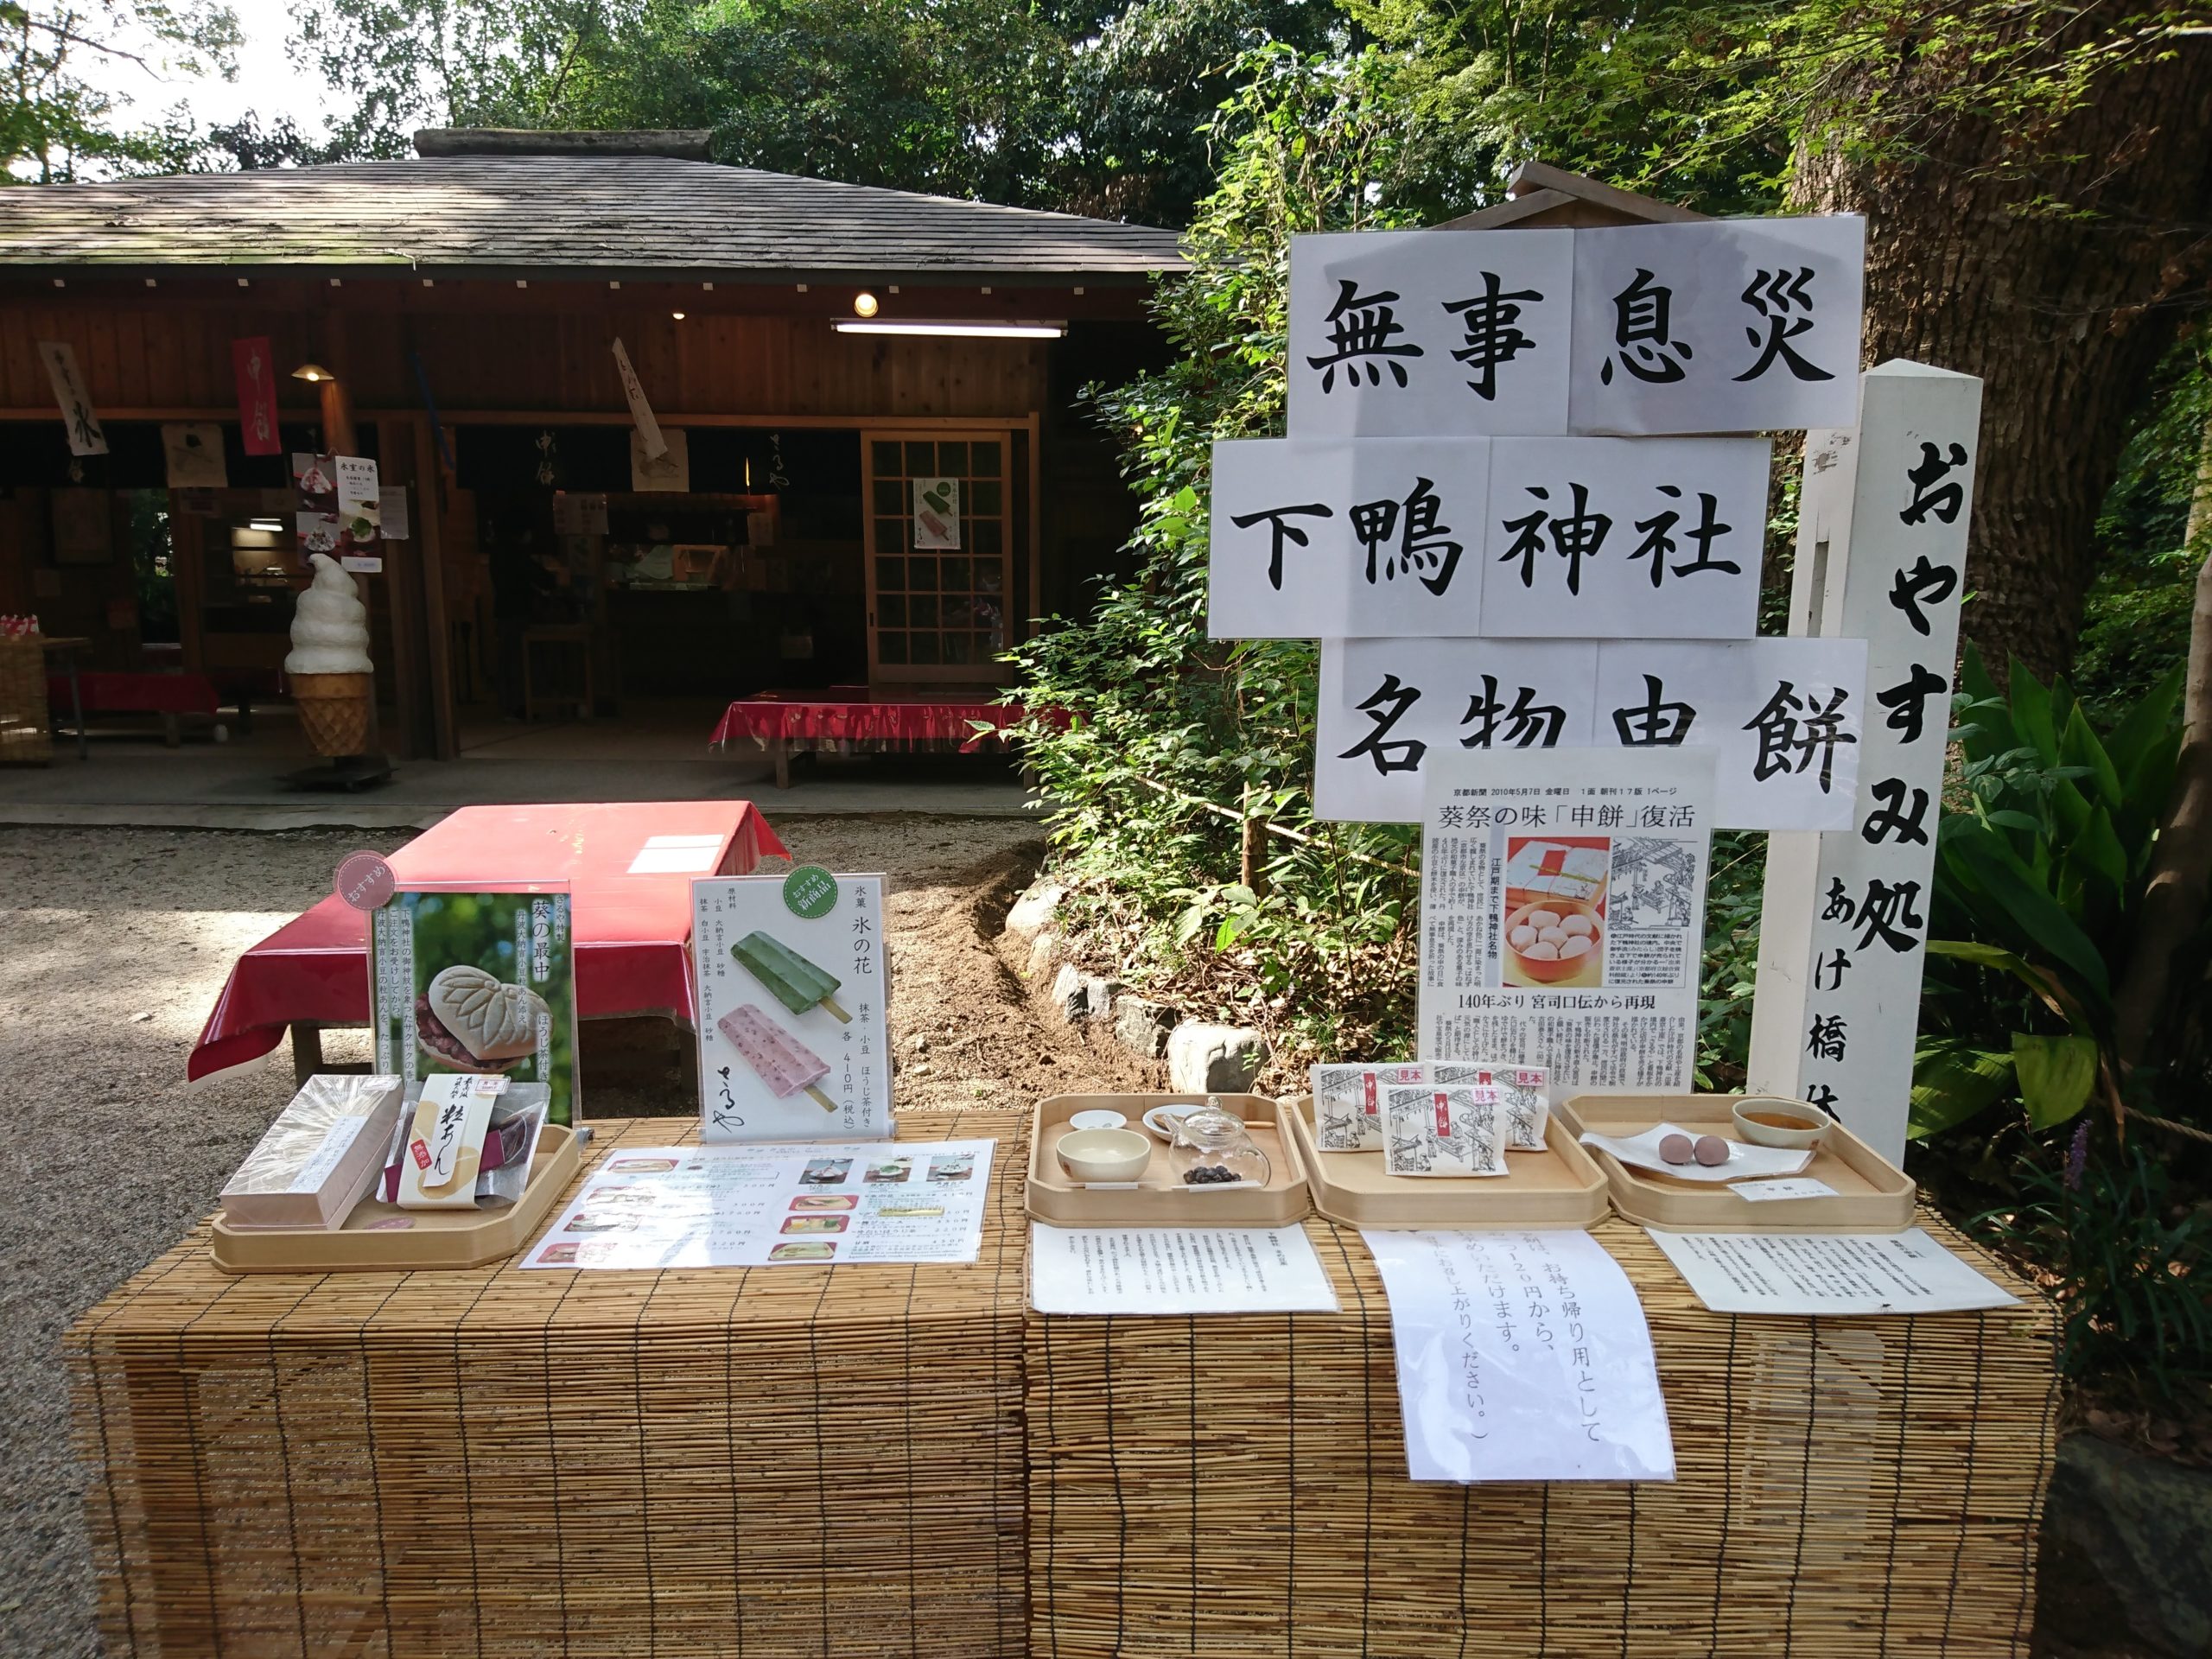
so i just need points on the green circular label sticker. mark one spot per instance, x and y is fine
(811, 891)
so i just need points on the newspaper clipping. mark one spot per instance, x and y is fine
(1562, 912)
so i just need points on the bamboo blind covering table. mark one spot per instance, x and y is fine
(896, 1460)
(788, 1460)
(1847, 1488)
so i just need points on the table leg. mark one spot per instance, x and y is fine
(307, 1051)
(77, 707)
(779, 750)
(172, 731)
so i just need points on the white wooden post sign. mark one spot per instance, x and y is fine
(1881, 557)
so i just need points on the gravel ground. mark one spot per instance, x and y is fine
(113, 945)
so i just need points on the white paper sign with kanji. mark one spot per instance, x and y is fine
(1620, 538)
(1592, 971)
(1429, 333)
(1721, 325)
(81, 425)
(1782, 716)
(1507, 537)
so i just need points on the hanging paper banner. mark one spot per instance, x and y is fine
(86, 437)
(641, 411)
(252, 365)
(669, 471)
(1782, 715)
(392, 512)
(360, 502)
(1415, 333)
(1722, 325)
(1505, 538)
(192, 452)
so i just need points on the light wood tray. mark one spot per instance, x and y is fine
(432, 1238)
(1559, 1187)
(1872, 1195)
(1054, 1196)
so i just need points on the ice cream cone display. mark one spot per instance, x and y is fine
(331, 678)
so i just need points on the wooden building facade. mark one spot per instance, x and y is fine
(468, 305)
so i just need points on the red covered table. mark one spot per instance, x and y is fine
(632, 907)
(783, 722)
(169, 695)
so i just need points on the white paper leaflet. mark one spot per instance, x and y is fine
(1717, 326)
(1515, 843)
(1820, 1272)
(1521, 1356)
(1782, 716)
(1506, 537)
(652, 1207)
(1176, 1270)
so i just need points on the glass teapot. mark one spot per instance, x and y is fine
(1211, 1147)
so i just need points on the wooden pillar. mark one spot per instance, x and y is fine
(403, 583)
(429, 503)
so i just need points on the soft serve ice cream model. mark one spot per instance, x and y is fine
(332, 682)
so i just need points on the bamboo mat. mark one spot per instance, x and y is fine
(793, 1460)
(1847, 1488)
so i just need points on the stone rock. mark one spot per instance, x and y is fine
(2145, 1526)
(1040, 954)
(1141, 1026)
(1034, 912)
(1204, 1058)
(1071, 995)
(1100, 995)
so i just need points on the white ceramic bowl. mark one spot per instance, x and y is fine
(1098, 1118)
(1811, 1124)
(1104, 1154)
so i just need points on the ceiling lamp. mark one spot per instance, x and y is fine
(314, 373)
(864, 304)
(967, 330)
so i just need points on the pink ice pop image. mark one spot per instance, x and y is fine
(783, 1063)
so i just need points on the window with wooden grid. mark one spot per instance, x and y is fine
(938, 614)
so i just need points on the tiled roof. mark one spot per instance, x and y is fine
(591, 215)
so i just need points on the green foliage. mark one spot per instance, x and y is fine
(1100, 108)
(1162, 717)
(2038, 881)
(2135, 626)
(56, 125)
(2129, 1261)
(1733, 897)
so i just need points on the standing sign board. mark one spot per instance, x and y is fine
(1881, 556)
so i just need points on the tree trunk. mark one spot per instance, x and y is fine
(2062, 315)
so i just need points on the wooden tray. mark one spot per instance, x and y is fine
(1559, 1187)
(1872, 1195)
(1054, 1196)
(432, 1238)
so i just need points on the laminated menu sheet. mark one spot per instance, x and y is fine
(745, 1206)
(1827, 1272)
(1521, 1356)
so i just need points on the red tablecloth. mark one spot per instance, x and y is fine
(105, 692)
(864, 720)
(633, 931)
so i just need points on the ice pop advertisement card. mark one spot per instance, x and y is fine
(794, 1042)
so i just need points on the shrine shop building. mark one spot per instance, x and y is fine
(874, 471)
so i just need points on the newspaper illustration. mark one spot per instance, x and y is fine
(1562, 912)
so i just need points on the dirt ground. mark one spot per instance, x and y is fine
(113, 945)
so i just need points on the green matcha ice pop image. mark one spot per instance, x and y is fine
(797, 982)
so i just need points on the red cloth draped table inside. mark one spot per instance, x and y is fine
(632, 905)
(807, 719)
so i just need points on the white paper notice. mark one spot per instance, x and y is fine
(1782, 716)
(1819, 1273)
(1562, 912)
(652, 1207)
(1398, 333)
(1522, 1357)
(1726, 326)
(1615, 538)
(1176, 1270)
